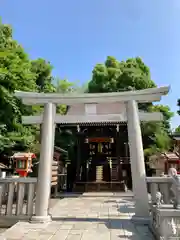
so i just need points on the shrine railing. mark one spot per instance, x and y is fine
(16, 199)
(164, 193)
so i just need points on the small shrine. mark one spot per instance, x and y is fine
(162, 162)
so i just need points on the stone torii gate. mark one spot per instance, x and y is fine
(50, 118)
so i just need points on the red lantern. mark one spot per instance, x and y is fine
(23, 163)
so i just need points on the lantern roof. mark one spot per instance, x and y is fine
(24, 155)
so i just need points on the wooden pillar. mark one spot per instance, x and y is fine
(118, 153)
(83, 157)
(78, 160)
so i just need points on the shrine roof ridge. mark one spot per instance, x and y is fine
(145, 95)
(79, 119)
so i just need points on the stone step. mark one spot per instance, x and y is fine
(99, 187)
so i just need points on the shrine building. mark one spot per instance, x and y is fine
(102, 148)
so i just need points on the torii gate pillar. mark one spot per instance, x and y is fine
(137, 161)
(45, 163)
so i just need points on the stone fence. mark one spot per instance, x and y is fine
(165, 206)
(16, 199)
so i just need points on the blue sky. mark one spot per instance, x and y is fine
(75, 35)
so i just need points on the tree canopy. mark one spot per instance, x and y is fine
(19, 72)
(115, 76)
(15, 74)
(133, 74)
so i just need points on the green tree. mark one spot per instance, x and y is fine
(43, 72)
(165, 110)
(133, 74)
(115, 76)
(64, 137)
(15, 74)
(178, 104)
(44, 80)
(177, 130)
(64, 86)
(18, 72)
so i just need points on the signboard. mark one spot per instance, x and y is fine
(100, 139)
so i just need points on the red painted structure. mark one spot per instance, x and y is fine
(23, 163)
(172, 163)
(177, 152)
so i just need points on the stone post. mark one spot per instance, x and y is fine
(44, 172)
(137, 161)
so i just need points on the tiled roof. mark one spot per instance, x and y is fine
(93, 123)
(171, 156)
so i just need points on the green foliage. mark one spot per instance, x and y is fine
(42, 70)
(115, 76)
(133, 74)
(63, 86)
(177, 130)
(66, 138)
(18, 72)
(156, 138)
(165, 110)
(15, 74)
